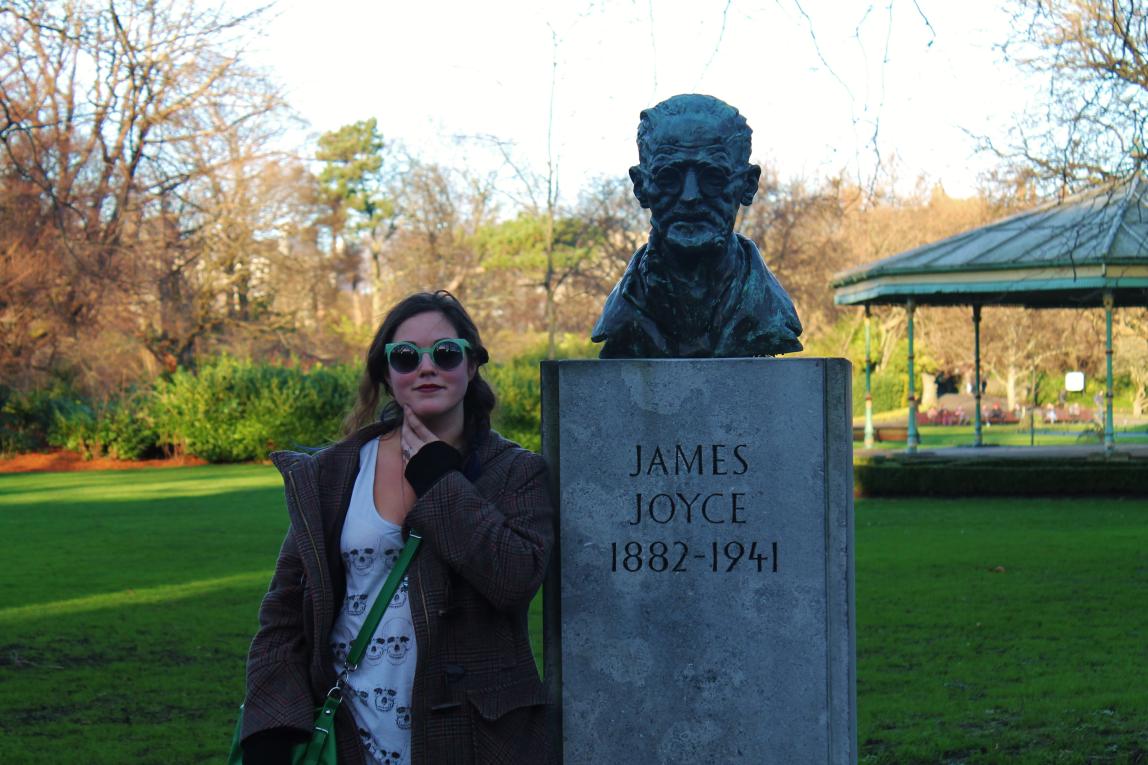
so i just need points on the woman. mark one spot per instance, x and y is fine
(450, 677)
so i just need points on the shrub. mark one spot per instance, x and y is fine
(126, 427)
(233, 410)
(888, 388)
(74, 429)
(122, 428)
(517, 384)
(27, 418)
(519, 411)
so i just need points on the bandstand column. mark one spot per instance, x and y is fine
(913, 438)
(1109, 435)
(977, 425)
(868, 387)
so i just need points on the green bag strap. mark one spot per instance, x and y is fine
(325, 719)
(371, 623)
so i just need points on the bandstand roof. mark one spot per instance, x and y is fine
(1063, 254)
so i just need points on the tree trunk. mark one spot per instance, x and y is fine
(316, 307)
(1011, 377)
(377, 306)
(550, 283)
(551, 324)
(357, 308)
(928, 390)
(378, 289)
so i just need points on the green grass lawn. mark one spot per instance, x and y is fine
(127, 600)
(1002, 631)
(1061, 434)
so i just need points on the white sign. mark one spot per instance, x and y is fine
(1074, 382)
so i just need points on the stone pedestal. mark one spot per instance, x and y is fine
(699, 607)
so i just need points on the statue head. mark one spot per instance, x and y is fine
(693, 172)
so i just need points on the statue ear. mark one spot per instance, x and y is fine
(752, 175)
(640, 179)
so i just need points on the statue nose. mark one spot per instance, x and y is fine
(690, 188)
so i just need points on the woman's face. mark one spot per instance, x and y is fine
(431, 393)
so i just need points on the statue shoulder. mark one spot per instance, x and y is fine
(620, 307)
(766, 321)
(751, 253)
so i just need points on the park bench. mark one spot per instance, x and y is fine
(882, 433)
(943, 416)
(1068, 414)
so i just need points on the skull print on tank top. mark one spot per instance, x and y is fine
(380, 689)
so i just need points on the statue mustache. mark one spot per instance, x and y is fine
(695, 214)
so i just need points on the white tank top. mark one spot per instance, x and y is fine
(379, 691)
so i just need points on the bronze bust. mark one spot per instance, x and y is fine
(697, 288)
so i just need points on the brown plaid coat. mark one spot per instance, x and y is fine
(477, 696)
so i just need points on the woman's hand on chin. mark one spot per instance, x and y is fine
(415, 435)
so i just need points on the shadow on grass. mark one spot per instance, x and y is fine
(21, 489)
(126, 598)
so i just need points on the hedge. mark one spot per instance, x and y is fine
(901, 476)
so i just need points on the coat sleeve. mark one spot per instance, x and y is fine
(278, 687)
(501, 546)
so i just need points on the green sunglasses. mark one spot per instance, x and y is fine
(446, 354)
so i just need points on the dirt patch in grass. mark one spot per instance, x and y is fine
(67, 462)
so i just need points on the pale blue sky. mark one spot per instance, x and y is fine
(433, 71)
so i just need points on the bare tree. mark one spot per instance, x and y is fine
(615, 226)
(439, 212)
(1131, 355)
(797, 225)
(1093, 58)
(106, 110)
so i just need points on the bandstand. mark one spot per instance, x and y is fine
(1089, 251)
